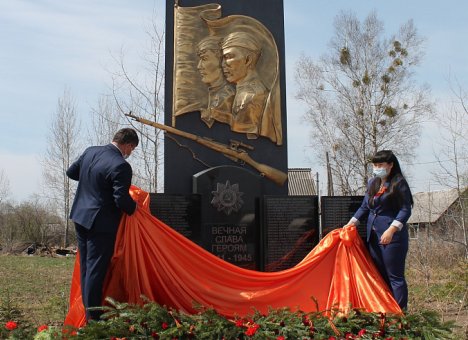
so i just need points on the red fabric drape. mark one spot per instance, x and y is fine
(152, 259)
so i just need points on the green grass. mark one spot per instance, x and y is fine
(37, 286)
(446, 293)
(447, 285)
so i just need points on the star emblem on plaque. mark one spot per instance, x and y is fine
(227, 198)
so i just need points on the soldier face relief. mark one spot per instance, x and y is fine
(235, 64)
(209, 67)
(226, 68)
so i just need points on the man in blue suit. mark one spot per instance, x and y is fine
(104, 178)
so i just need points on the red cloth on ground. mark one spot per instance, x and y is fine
(153, 260)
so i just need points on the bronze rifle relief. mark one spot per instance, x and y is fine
(235, 150)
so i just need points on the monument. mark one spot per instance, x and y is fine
(233, 94)
(225, 182)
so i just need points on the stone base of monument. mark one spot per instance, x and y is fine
(290, 230)
(228, 215)
(336, 211)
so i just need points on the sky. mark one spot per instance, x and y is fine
(48, 46)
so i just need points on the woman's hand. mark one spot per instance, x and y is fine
(387, 236)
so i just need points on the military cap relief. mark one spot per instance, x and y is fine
(227, 68)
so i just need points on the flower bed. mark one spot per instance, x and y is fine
(152, 321)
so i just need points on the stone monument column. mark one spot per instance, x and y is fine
(226, 186)
(225, 81)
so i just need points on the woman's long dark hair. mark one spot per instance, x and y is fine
(394, 177)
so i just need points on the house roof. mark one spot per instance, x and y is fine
(429, 206)
(301, 182)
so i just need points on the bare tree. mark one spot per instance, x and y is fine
(361, 97)
(143, 94)
(33, 221)
(8, 232)
(453, 164)
(4, 186)
(5, 208)
(62, 146)
(105, 121)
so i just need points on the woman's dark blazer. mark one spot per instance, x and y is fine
(386, 209)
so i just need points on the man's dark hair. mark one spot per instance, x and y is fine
(126, 136)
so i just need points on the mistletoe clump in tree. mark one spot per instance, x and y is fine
(361, 97)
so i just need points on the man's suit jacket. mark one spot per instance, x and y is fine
(386, 209)
(104, 179)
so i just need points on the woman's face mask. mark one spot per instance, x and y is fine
(381, 170)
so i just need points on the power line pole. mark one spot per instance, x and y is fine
(330, 191)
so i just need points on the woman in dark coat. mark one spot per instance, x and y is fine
(387, 205)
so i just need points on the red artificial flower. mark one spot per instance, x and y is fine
(239, 323)
(252, 330)
(164, 325)
(381, 191)
(42, 328)
(332, 338)
(155, 335)
(11, 325)
(349, 336)
(362, 332)
(280, 338)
